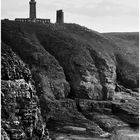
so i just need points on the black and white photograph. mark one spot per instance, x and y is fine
(69, 70)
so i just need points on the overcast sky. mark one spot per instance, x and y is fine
(99, 15)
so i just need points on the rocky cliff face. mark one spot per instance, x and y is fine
(75, 77)
(20, 112)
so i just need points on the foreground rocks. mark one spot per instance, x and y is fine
(62, 115)
(21, 116)
(126, 134)
(109, 114)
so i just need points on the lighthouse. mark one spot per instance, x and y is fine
(32, 9)
(32, 15)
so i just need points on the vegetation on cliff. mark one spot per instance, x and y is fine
(78, 74)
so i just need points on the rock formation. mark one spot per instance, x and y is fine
(20, 113)
(68, 79)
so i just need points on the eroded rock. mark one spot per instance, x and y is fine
(21, 114)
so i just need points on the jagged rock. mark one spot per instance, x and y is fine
(107, 73)
(106, 122)
(103, 107)
(4, 135)
(100, 112)
(132, 96)
(127, 111)
(12, 66)
(20, 112)
(125, 105)
(103, 112)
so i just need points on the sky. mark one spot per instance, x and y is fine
(99, 15)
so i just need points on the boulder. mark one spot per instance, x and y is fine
(127, 111)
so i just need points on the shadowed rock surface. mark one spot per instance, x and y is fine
(81, 82)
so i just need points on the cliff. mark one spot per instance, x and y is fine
(79, 75)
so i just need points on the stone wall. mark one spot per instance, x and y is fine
(28, 20)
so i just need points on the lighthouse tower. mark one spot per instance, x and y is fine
(32, 9)
(32, 15)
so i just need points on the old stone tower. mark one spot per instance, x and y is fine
(59, 16)
(32, 15)
(32, 9)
